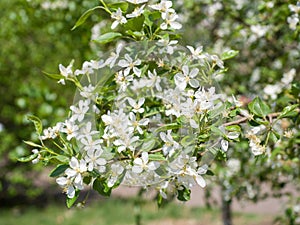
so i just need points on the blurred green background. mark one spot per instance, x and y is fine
(34, 38)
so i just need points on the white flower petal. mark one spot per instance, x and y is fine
(200, 181)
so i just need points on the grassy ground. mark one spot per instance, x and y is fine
(121, 212)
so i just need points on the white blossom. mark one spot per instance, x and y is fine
(288, 77)
(163, 6)
(129, 65)
(224, 145)
(255, 144)
(67, 185)
(115, 172)
(119, 18)
(168, 46)
(66, 72)
(80, 111)
(142, 163)
(170, 21)
(197, 53)
(293, 21)
(136, 106)
(74, 177)
(86, 69)
(88, 92)
(136, 124)
(86, 131)
(90, 144)
(94, 160)
(182, 79)
(154, 80)
(126, 142)
(136, 2)
(38, 157)
(70, 128)
(114, 56)
(216, 60)
(170, 145)
(123, 80)
(136, 12)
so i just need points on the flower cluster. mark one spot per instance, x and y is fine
(293, 20)
(145, 130)
(141, 115)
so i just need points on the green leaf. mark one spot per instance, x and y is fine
(156, 157)
(32, 144)
(259, 108)
(289, 111)
(233, 128)
(58, 170)
(61, 158)
(295, 90)
(54, 76)
(37, 123)
(101, 187)
(135, 24)
(170, 126)
(184, 194)
(85, 15)
(28, 158)
(216, 112)
(70, 201)
(188, 140)
(122, 5)
(274, 136)
(108, 37)
(217, 131)
(210, 173)
(148, 145)
(229, 54)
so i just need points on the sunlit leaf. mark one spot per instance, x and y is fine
(108, 37)
(85, 15)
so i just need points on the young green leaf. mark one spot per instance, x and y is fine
(85, 15)
(229, 54)
(259, 108)
(108, 37)
(233, 128)
(135, 24)
(289, 111)
(188, 140)
(101, 187)
(184, 194)
(54, 76)
(70, 201)
(148, 145)
(156, 157)
(58, 170)
(32, 144)
(37, 123)
(122, 5)
(28, 158)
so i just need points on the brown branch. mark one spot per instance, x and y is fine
(245, 119)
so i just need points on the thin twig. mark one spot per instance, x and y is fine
(242, 120)
(245, 119)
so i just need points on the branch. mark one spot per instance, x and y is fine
(245, 119)
(242, 120)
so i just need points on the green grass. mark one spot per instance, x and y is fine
(117, 212)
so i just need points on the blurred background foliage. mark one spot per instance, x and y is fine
(34, 38)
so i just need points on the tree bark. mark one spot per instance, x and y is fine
(226, 209)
